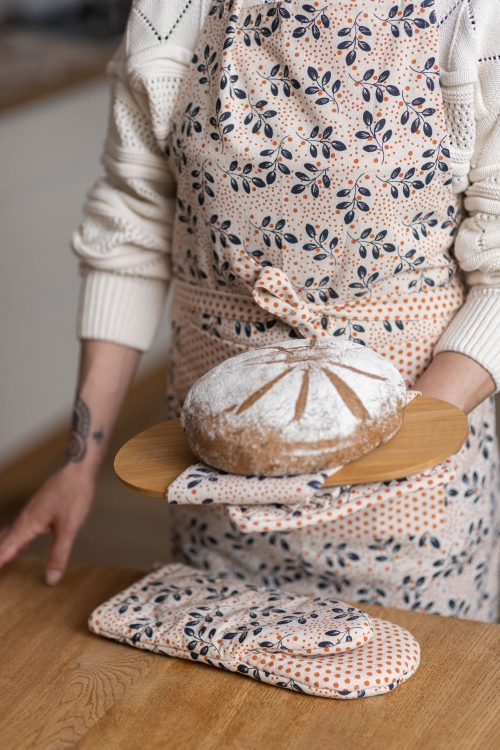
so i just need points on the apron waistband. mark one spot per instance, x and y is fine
(217, 302)
(427, 304)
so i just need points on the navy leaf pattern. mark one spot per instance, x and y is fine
(279, 77)
(273, 232)
(421, 223)
(324, 87)
(242, 172)
(413, 111)
(355, 41)
(332, 168)
(354, 201)
(375, 134)
(317, 290)
(323, 141)
(320, 244)
(378, 82)
(407, 19)
(375, 242)
(308, 21)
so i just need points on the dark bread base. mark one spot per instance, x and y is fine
(249, 452)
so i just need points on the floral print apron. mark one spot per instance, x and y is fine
(314, 198)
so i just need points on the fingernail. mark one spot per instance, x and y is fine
(53, 576)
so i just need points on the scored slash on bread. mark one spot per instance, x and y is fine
(349, 397)
(294, 407)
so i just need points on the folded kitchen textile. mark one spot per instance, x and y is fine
(203, 485)
(336, 503)
(250, 501)
(200, 484)
(314, 645)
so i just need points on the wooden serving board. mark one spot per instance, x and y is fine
(432, 431)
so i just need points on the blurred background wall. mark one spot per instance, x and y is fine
(49, 152)
(53, 111)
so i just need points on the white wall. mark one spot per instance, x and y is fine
(49, 157)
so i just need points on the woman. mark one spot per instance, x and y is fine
(314, 138)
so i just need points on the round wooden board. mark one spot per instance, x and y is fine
(432, 430)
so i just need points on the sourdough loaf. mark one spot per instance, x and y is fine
(294, 407)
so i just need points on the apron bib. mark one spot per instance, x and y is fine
(314, 198)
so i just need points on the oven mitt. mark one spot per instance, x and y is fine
(203, 485)
(310, 644)
(200, 484)
(336, 503)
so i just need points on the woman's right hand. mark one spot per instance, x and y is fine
(60, 508)
(63, 502)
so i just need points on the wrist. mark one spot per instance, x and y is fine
(458, 379)
(81, 472)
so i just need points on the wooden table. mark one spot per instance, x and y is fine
(62, 687)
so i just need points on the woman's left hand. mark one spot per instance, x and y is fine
(457, 379)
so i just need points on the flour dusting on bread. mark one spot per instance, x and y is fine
(294, 407)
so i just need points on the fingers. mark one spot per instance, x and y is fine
(15, 538)
(58, 557)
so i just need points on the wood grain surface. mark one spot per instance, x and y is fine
(432, 430)
(62, 687)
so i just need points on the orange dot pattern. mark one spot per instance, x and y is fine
(314, 645)
(395, 552)
(433, 550)
(332, 504)
(236, 163)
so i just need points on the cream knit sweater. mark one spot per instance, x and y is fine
(124, 240)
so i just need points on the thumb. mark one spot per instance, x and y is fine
(58, 557)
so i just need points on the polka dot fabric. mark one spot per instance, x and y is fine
(314, 196)
(335, 503)
(202, 485)
(250, 501)
(313, 645)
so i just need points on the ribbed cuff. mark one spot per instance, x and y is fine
(122, 309)
(475, 331)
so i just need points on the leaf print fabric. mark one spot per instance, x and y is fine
(329, 112)
(309, 146)
(313, 645)
(250, 501)
(203, 485)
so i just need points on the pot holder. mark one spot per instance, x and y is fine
(250, 501)
(336, 503)
(303, 501)
(310, 644)
(203, 485)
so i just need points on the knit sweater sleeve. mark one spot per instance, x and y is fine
(123, 242)
(471, 82)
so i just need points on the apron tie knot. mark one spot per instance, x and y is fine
(274, 292)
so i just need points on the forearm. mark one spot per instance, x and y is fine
(458, 379)
(105, 374)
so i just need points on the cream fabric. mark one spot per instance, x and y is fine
(257, 504)
(313, 645)
(124, 240)
(343, 249)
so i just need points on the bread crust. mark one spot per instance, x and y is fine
(230, 423)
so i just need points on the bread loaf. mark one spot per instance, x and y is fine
(294, 407)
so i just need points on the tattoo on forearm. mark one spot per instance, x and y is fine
(80, 427)
(76, 448)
